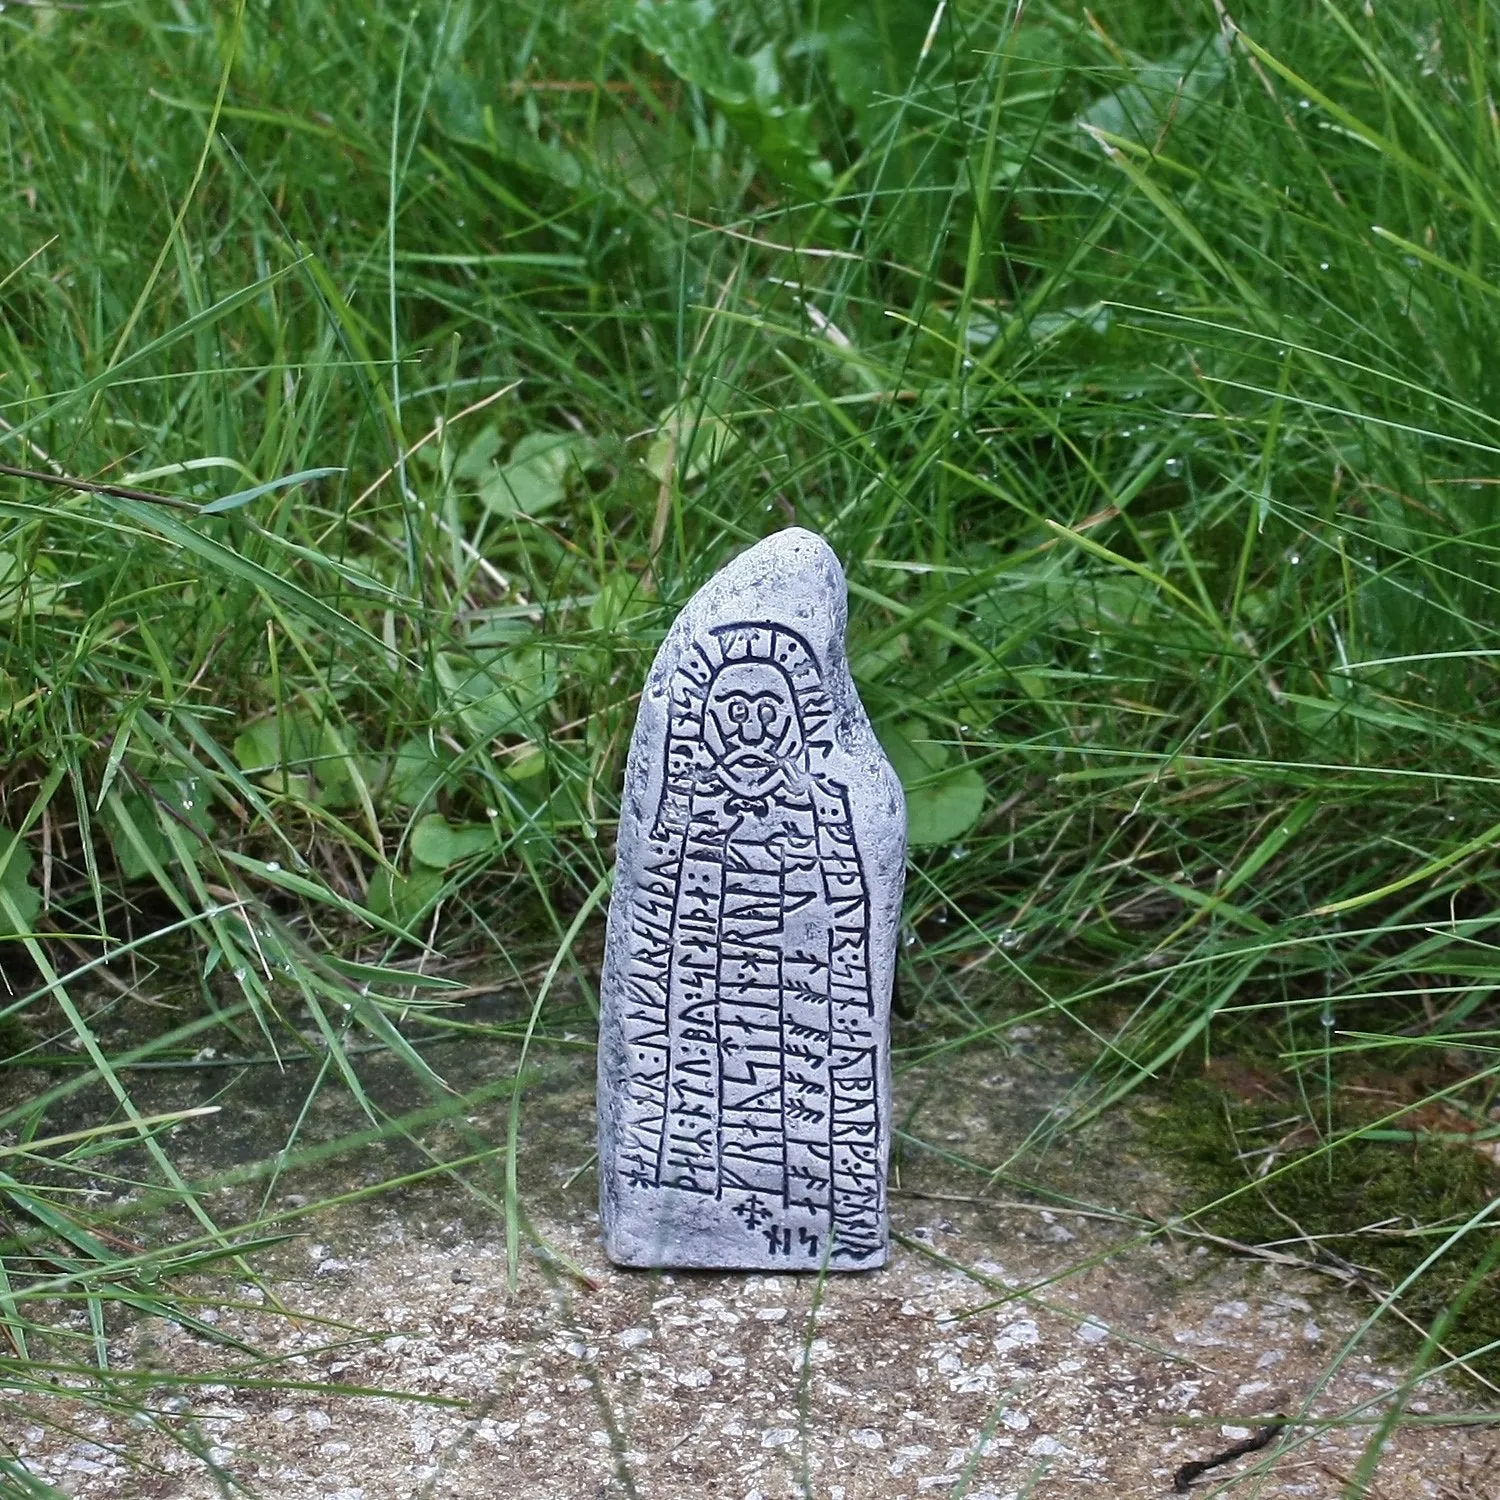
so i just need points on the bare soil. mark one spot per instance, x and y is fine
(1020, 1344)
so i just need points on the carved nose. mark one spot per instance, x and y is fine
(752, 731)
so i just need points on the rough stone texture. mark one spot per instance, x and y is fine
(1009, 1351)
(744, 1060)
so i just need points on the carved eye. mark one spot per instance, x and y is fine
(739, 710)
(767, 710)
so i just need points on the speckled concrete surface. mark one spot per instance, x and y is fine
(1009, 1350)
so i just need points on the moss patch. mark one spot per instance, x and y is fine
(1378, 1205)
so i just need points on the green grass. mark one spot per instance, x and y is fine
(1140, 370)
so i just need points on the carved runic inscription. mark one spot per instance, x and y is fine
(747, 984)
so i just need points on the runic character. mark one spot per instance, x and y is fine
(752, 1211)
(778, 1240)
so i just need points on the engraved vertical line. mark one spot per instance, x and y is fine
(780, 1019)
(719, 1025)
(832, 1088)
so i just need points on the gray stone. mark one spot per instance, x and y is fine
(744, 1055)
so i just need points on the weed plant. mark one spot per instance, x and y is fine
(415, 364)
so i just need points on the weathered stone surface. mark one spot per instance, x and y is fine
(744, 1054)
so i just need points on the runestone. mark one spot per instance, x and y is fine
(744, 1059)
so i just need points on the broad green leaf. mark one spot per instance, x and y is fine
(536, 477)
(297, 755)
(546, 802)
(691, 437)
(133, 863)
(405, 899)
(498, 690)
(186, 798)
(876, 663)
(1165, 93)
(419, 770)
(946, 809)
(875, 58)
(687, 36)
(873, 47)
(619, 598)
(438, 844)
(279, 750)
(15, 880)
(943, 801)
(477, 460)
(464, 111)
(912, 752)
(258, 748)
(527, 762)
(22, 594)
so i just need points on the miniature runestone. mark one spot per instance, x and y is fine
(744, 1057)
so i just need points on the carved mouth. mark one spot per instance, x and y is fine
(752, 760)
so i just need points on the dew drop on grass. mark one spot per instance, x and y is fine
(240, 976)
(1011, 939)
(959, 851)
(1173, 466)
(273, 865)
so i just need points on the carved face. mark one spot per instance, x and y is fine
(750, 723)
